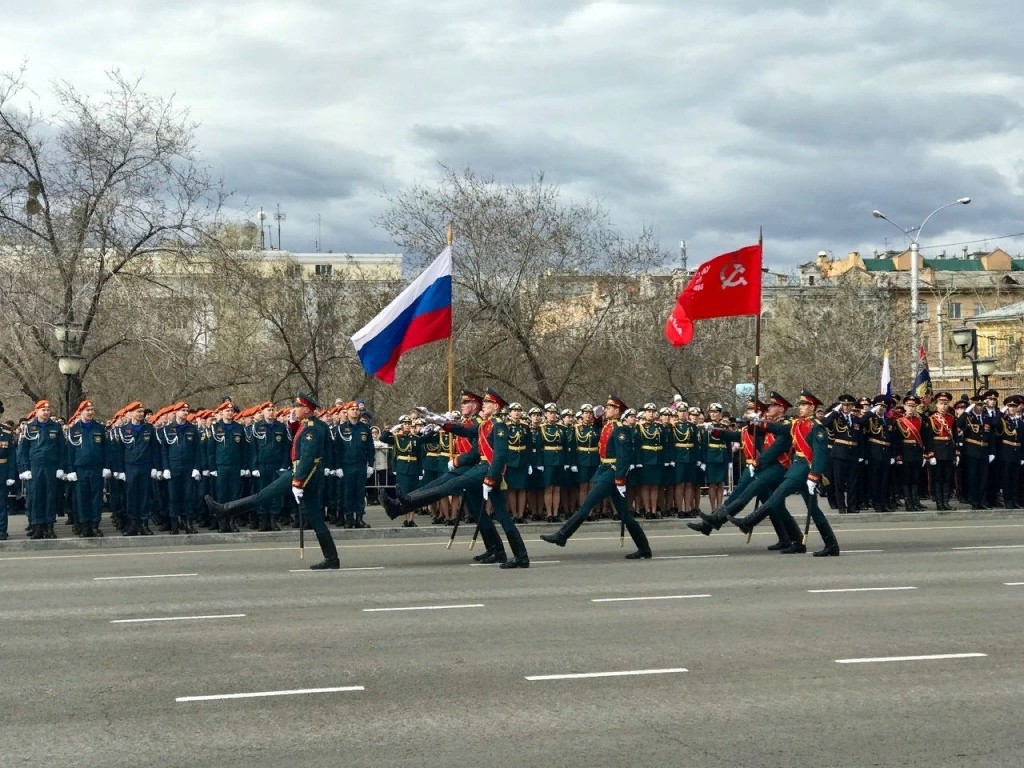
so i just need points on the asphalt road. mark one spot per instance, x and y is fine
(748, 658)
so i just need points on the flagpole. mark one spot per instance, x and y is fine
(451, 398)
(757, 329)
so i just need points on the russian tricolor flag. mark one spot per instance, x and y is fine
(420, 314)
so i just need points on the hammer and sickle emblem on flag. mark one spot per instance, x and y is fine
(734, 278)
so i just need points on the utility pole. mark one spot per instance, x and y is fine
(279, 217)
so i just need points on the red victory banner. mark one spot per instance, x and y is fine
(727, 286)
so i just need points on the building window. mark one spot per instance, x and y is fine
(991, 348)
(978, 309)
(955, 310)
(323, 270)
(922, 310)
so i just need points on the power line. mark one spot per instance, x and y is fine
(972, 242)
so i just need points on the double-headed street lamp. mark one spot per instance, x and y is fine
(69, 334)
(967, 339)
(915, 275)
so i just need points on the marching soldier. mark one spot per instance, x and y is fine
(938, 431)
(810, 455)
(616, 453)
(480, 466)
(306, 479)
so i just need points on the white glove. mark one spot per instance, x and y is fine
(671, 463)
(622, 490)
(860, 460)
(933, 461)
(195, 474)
(26, 475)
(574, 469)
(991, 458)
(339, 473)
(487, 491)
(702, 465)
(243, 473)
(565, 468)
(419, 477)
(451, 465)
(812, 487)
(956, 461)
(167, 474)
(891, 462)
(107, 473)
(297, 493)
(121, 476)
(668, 463)
(154, 474)
(60, 474)
(10, 480)
(923, 462)
(369, 471)
(71, 477)
(529, 469)
(752, 468)
(213, 473)
(632, 467)
(255, 473)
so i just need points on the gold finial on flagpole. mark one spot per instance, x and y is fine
(451, 235)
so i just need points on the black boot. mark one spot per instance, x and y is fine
(37, 532)
(264, 524)
(230, 508)
(331, 561)
(49, 533)
(520, 559)
(701, 527)
(830, 550)
(144, 529)
(88, 532)
(554, 538)
(741, 523)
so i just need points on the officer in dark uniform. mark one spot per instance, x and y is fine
(356, 453)
(230, 446)
(87, 466)
(993, 416)
(8, 470)
(180, 441)
(553, 458)
(140, 458)
(270, 442)
(41, 454)
(616, 452)
(1008, 450)
(978, 451)
(846, 430)
(407, 457)
(938, 429)
(306, 479)
(877, 428)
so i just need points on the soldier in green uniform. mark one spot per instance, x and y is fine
(553, 460)
(585, 439)
(306, 479)
(649, 462)
(569, 493)
(535, 485)
(717, 456)
(481, 466)
(810, 456)
(615, 451)
(406, 455)
(518, 463)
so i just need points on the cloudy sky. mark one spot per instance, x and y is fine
(702, 120)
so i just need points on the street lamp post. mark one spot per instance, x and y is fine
(967, 339)
(915, 275)
(69, 334)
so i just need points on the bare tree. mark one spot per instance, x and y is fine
(90, 197)
(526, 263)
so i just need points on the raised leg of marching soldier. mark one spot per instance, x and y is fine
(604, 487)
(758, 487)
(774, 507)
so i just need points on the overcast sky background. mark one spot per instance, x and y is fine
(704, 121)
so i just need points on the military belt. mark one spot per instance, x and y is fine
(684, 445)
(799, 454)
(517, 447)
(945, 439)
(1003, 442)
(650, 447)
(582, 449)
(850, 443)
(877, 442)
(608, 461)
(552, 447)
(406, 458)
(973, 442)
